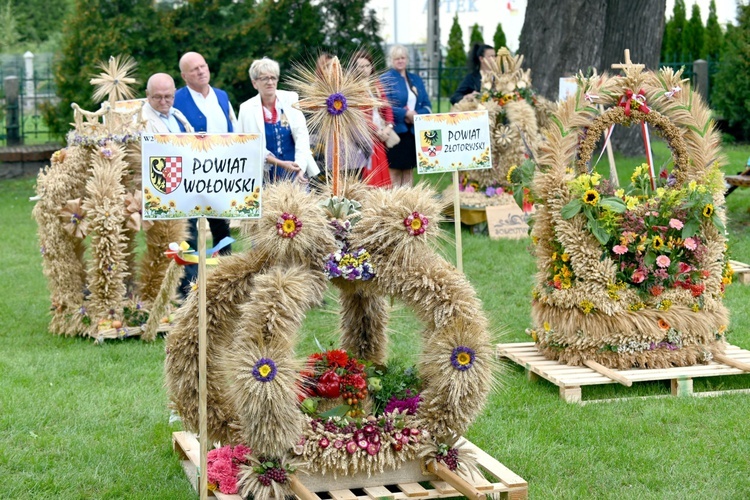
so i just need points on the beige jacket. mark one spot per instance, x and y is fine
(155, 125)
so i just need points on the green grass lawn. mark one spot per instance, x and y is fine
(79, 420)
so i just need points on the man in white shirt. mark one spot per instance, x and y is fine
(208, 110)
(160, 116)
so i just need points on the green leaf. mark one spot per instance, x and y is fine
(718, 222)
(518, 196)
(572, 208)
(598, 231)
(613, 203)
(649, 259)
(690, 228)
(268, 465)
(337, 411)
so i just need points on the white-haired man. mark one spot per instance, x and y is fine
(161, 117)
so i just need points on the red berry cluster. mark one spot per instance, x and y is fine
(449, 458)
(354, 392)
(277, 474)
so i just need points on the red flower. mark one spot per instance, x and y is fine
(337, 358)
(656, 290)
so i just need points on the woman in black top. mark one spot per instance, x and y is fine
(481, 54)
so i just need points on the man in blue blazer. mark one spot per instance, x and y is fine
(208, 110)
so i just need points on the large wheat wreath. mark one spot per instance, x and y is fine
(582, 308)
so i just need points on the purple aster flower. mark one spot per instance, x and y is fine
(264, 370)
(336, 104)
(462, 358)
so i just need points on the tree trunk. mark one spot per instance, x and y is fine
(560, 38)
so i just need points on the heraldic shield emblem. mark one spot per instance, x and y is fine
(431, 142)
(166, 173)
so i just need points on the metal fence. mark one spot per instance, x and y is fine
(27, 85)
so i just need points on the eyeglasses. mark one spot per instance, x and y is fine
(267, 79)
(159, 97)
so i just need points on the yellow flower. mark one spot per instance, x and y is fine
(708, 210)
(637, 306)
(565, 283)
(510, 173)
(664, 305)
(264, 370)
(695, 308)
(692, 185)
(660, 192)
(416, 224)
(631, 202)
(595, 179)
(565, 257)
(233, 203)
(197, 208)
(463, 358)
(172, 204)
(591, 197)
(547, 327)
(289, 226)
(620, 193)
(586, 306)
(657, 243)
(554, 256)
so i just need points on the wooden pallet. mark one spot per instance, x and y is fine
(125, 332)
(409, 482)
(741, 272)
(571, 379)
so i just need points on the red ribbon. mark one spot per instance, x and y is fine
(637, 101)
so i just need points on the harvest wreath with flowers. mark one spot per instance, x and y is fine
(633, 276)
(324, 415)
(516, 115)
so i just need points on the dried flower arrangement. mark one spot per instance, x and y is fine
(630, 277)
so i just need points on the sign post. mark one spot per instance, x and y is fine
(198, 176)
(449, 142)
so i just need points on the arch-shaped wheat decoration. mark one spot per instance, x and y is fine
(632, 277)
(255, 305)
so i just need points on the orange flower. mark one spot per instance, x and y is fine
(663, 324)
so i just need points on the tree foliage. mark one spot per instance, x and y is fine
(731, 90)
(498, 39)
(476, 35)
(693, 36)
(714, 36)
(97, 30)
(456, 56)
(349, 25)
(229, 34)
(672, 48)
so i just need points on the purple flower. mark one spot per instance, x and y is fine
(490, 191)
(264, 370)
(462, 358)
(336, 104)
(408, 405)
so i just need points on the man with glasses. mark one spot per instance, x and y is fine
(208, 110)
(161, 117)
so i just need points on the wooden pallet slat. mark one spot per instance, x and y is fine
(405, 480)
(571, 379)
(741, 272)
